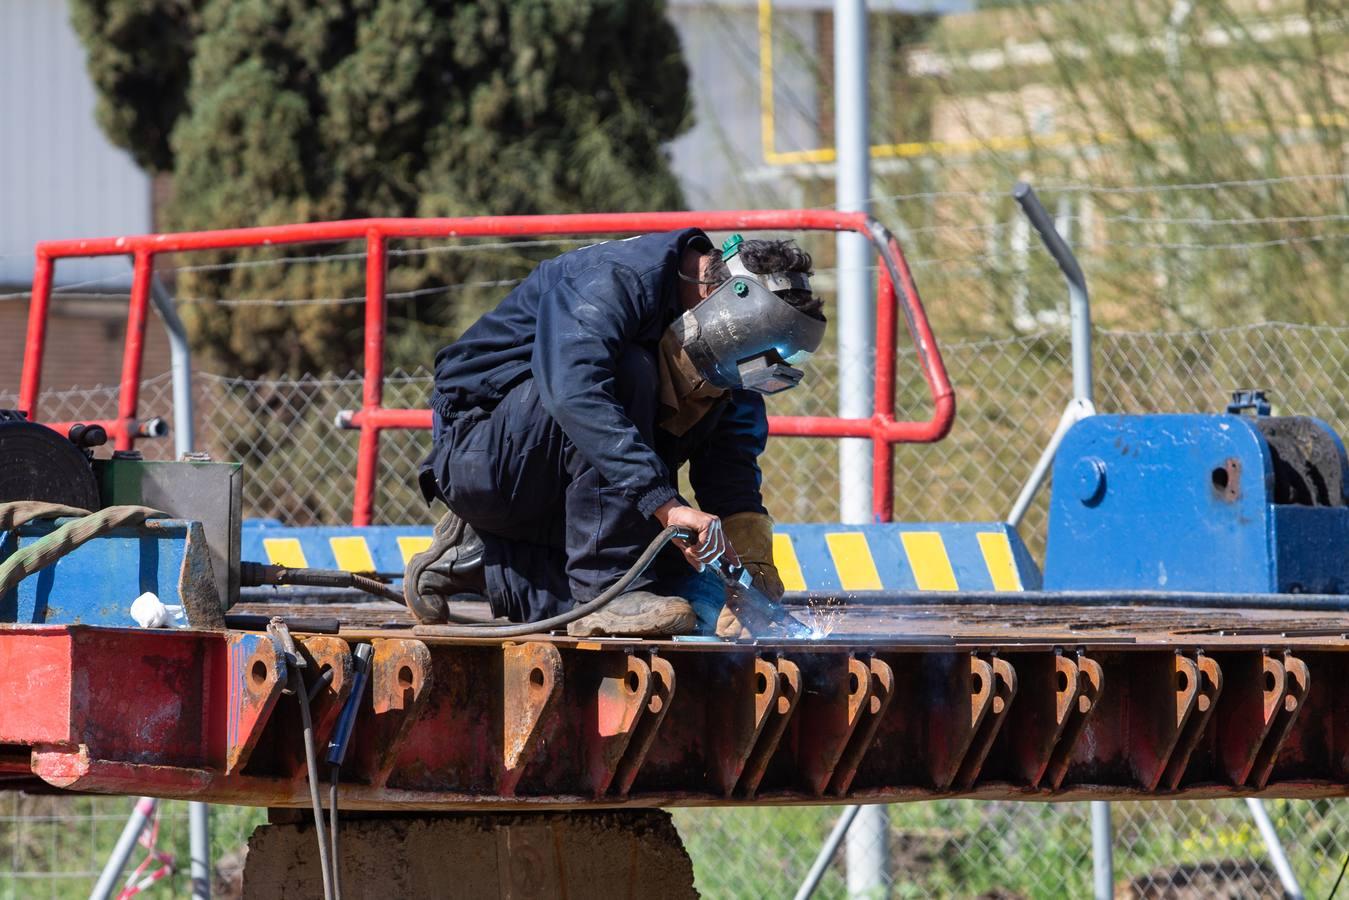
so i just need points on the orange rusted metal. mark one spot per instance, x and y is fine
(552, 722)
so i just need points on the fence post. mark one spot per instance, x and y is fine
(867, 868)
(199, 841)
(1102, 851)
(180, 363)
(1079, 311)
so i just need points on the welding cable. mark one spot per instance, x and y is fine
(253, 574)
(297, 687)
(334, 775)
(51, 547)
(490, 629)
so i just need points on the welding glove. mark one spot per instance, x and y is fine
(751, 534)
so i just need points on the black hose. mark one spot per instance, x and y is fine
(489, 629)
(253, 574)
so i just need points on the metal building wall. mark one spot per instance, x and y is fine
(59, 175)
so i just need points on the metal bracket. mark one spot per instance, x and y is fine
(788, 677)
(624, 691)
(257, 676)
(1090, 680)
(531, 676)
(324, 654)
(1198, 682)
(828, 717)
(400, 684)
(989, 705)
(872, 711)
(644, 733)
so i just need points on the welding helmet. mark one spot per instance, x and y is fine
(744, 335)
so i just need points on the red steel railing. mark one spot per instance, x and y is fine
(882, 428)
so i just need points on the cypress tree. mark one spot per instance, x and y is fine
(273, 111)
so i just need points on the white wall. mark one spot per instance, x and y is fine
(721, 48)
(59, 176)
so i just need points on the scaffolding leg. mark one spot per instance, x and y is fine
(1102, 851)
(1275, 848)
(121, 852)
(199, 831)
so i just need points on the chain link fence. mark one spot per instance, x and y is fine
(1184, 262)
(300, 469)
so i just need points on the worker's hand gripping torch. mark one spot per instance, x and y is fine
(758, 614)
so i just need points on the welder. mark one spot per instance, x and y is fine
(562, 418)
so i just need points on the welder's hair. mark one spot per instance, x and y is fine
(762, 257)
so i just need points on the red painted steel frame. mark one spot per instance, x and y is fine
(881, 428)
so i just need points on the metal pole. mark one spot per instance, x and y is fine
(1102, 853)
(199, 834)
(1079, 303)
(1076, 410)
(826, 854)
(180, 364)
(854, 327)
(1275, 848)
(121, 852)
(1079, 310)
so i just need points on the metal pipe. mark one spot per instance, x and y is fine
(1079, 303)
(180, 365)
(199, 839)
(1102, 851)
(35, 342)
(867, 868)
(1076, 410)
(121, 851)
(853, 320)
(1125, 598)
(133, 353)
(826, 854)
(372, 394)
(1275, 847)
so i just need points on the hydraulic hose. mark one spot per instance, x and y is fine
(51, 547)
(488, 629)
(253, 574)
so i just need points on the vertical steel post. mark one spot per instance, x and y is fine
(121, 851)
(372, 395)
(180, 364)
(199, 842)
(1102, 851)
(854, 324)
(854, 319)
(133, 353)
(35, 344)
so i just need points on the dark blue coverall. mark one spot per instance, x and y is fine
(546, 433)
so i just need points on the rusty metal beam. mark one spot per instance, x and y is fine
(555, 722)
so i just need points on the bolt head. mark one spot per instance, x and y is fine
(1089, 480)
(740, 288)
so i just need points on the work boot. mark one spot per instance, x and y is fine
(638, 614)
(452, 564)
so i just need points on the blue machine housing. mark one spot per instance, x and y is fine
(95, 583)
(1188, 503)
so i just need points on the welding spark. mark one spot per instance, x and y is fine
(822, 616)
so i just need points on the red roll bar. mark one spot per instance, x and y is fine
(882, 428)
